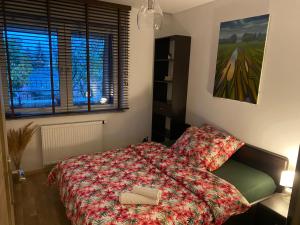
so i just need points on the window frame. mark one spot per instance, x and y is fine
(65, 74)
(5, 84)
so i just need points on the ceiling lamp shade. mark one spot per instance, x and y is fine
(150, 15)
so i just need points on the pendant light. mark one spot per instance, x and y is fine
(150, 15)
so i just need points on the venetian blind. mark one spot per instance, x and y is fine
(61, 56)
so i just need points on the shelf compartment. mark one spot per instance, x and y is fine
(165, 133)
(161, 69)
(158, 122)
(160, 92)
(162, 108)
(164, 81)
(162, 48)
(164, 60)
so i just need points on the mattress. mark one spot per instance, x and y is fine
(252, 183)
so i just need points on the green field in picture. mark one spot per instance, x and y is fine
(240, 57)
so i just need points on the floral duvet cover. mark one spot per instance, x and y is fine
(90, 186)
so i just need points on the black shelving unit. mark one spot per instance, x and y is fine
(171, 69)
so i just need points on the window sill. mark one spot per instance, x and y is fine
(60, 114)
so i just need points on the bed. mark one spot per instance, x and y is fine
(89, 186)
(257, 184)
(265, 162)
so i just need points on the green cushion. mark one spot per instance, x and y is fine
(252, 183)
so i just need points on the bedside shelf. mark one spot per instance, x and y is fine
(162, 108)
(273, 211)
(169, 96)
(166, 133)
(279, 203)
(163, 81)
(163, 60)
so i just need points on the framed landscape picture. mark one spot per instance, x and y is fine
(240, 58)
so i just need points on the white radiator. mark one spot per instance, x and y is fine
(61, 141)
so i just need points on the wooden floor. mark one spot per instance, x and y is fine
(38, 204)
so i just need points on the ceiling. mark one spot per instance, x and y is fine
(168, 6)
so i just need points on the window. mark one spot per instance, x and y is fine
(79, 72)
(56, 62)
(30, 69)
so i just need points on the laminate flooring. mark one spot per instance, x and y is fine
(38, 204)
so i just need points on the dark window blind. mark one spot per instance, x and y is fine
(61, 56)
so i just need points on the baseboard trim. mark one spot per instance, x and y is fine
(42, 170)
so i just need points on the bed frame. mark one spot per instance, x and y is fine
(260, 159)
(268, 162)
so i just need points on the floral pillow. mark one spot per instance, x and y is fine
(207, 146)
(231, 146)
(199, 145)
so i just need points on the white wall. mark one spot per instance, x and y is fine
(169, 27)
(274, 122)
(122, 128)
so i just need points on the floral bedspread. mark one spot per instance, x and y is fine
(90, 186)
